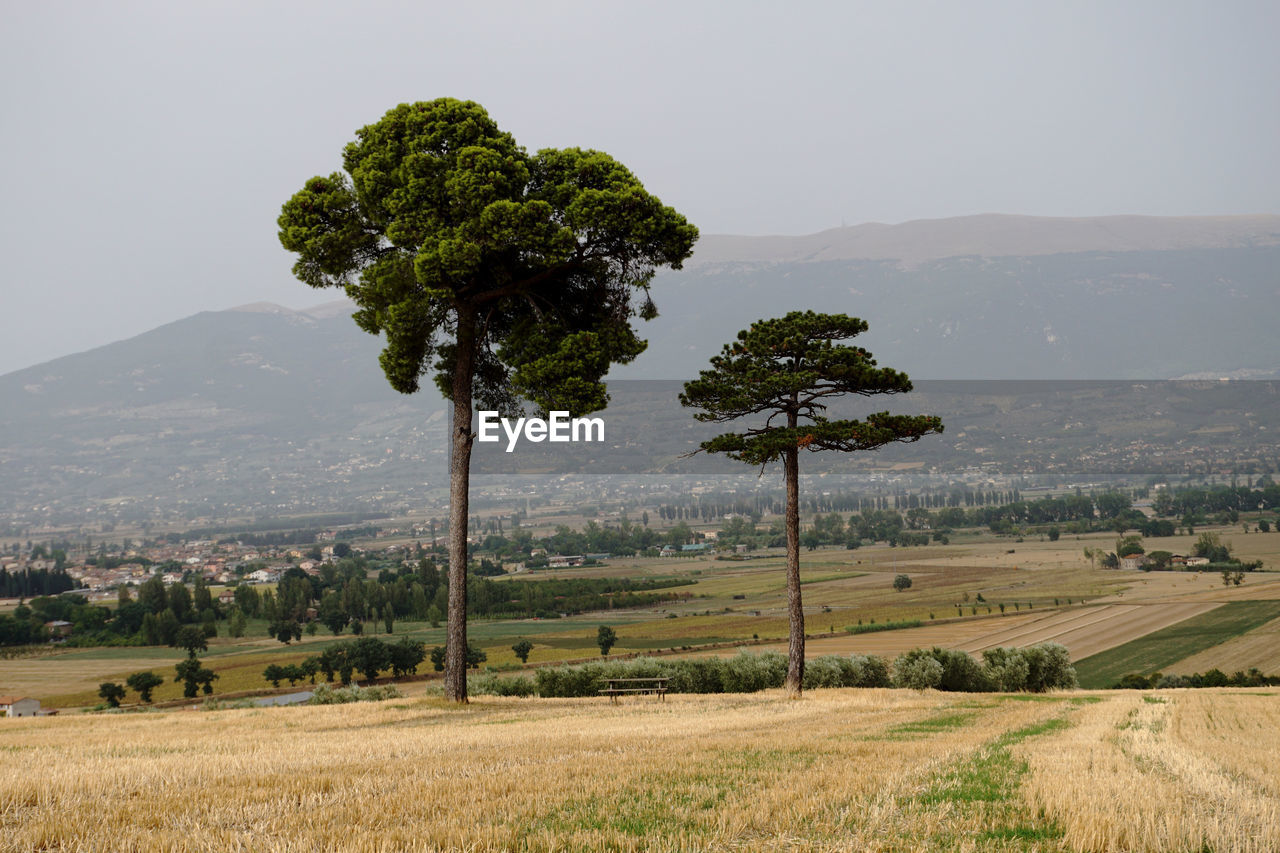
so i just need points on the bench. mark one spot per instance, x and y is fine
(620, 686)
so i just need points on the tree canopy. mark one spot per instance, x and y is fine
(512, 276)
(781, 373)
(441, 218)
(785, 369)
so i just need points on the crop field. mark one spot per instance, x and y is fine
(1084, 631)
(835, 770)
(1040, 584)
(1259, 648)
(1167, 646)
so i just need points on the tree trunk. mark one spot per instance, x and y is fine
(795, 611)
(455, 659)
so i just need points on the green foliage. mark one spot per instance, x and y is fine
(194, 676)
(1210, 545)
(285, 630)
(743, 673)
(902, 582)
(1212, 678)
(191, 639)
(1128, 546)
(522, 649)
(143, 683)
(606, 638)
(490, 684)
(917, 670)
(369, 655)
(326, 695)
(441, 215)
(852, 671)
(111, 692)
(273, 673)
(1167, 646)
(475, 657)
(785, 368)
(883, 626)
(405, 656)
(1034, 669)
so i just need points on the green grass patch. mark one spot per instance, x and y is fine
(932, 725)
(1165, 647)
(883, 626)
(1025, 834)
(984, 784)
(843, 576)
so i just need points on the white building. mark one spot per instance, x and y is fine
(18, 706)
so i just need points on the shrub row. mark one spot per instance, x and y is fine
(872, 627)
(1034, 669)
(1212, 678)
(326, 695)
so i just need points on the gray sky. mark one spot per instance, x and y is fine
(148, 146)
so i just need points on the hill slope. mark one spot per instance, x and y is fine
(269, 409)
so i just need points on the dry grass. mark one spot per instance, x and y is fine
(837, 770)
(1176, 770)
(1258, 648)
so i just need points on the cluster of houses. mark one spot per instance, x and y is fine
(1176, 562)
(218, 564)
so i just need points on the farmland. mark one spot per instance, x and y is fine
(975, 593)
(1171, 644)
(836, 770)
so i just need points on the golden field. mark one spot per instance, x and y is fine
(835, 770)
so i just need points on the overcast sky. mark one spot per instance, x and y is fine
(148, 146)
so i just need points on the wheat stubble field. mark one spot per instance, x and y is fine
(836, 770)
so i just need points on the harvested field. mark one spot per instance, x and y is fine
(1258, 648)
(1181, 770)
(32, 676)
(836, 770)
(1199, 586)
(1084, 631)
(1165, 647)
(1095, 629)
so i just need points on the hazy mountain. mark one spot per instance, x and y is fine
(259, 405)
(995, 235)
(273, 409)
(1094, 315)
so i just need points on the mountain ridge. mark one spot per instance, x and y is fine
(271, 409)
(993, 235)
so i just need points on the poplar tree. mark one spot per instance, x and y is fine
(506, 276)
(779, 374)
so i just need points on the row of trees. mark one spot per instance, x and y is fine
(1034, 669)
(368, 656)
(29, 583)
(1206, 501)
